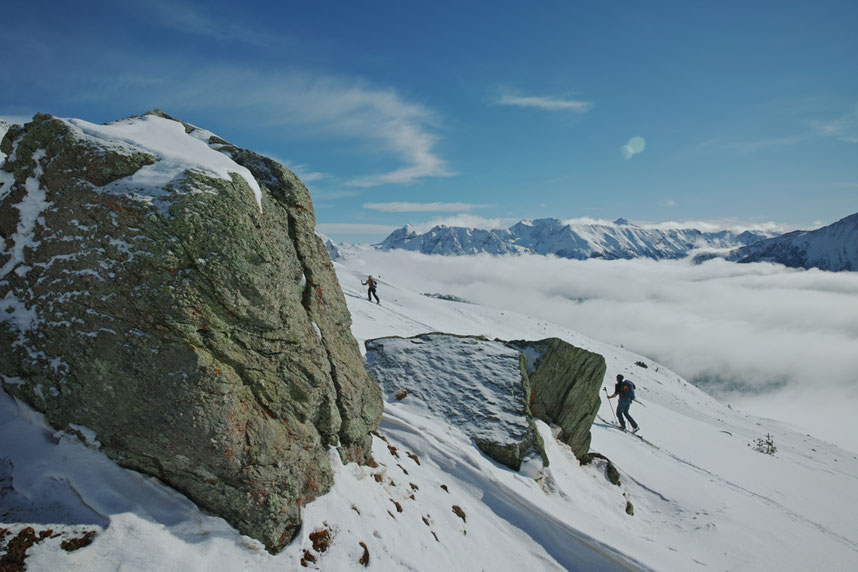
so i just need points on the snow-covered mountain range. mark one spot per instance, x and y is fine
(833, 247)
(620, 240)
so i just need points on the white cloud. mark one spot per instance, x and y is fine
(465, 220)
(634, 146)
(333, 195)
(717, 225)
(668, 203)
(546, 103)
(304, 173)
(354, 228)
(405, 207)
(586, 220)
(759, 328)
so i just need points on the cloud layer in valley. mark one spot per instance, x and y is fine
(778, 342)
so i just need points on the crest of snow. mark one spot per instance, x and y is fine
(176, 151)
(88, 435)
(317, 330)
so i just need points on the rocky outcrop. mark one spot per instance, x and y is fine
(476, 384)
(493, 389)
(564, 383)
(167, 290)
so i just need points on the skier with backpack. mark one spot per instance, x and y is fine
(372, 286)
(626, 390)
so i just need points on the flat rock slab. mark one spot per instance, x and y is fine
(477, 384)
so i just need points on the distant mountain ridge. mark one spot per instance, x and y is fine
(620, 240)
(833, 247)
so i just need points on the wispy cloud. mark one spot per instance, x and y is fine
(332, 228)
(844, 128)
(465, 220)
(405, 207)
(304, 173)
(333, 195)
(383, 124)
(200, 19)
(546, 103)
(668, 203)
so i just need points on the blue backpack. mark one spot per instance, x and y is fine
(627, 390)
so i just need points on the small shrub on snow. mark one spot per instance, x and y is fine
(766, 445)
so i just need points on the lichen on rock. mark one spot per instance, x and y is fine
(179, 322)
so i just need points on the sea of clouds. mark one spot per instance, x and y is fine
(777, 342)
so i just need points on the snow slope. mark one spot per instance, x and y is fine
(620, 240)
(833, 247)
(702, 497)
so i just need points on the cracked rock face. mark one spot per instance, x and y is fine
(175, 299)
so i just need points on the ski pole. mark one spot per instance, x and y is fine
(611, 406)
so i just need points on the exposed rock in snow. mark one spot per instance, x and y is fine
(487, 378)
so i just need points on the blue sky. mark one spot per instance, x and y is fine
(485, 112)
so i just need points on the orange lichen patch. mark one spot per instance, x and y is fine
(392, 450)
(73, 544)
(364, 559)
(372, 463)
(308, 557)
(377, 477)
(16, 550)
(380, 436)
(459, 512)
(320, 538)
(397, 505)
(413, 457)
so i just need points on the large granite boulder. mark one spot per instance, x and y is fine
(167, 290)
(476, 384)
(564, 388)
